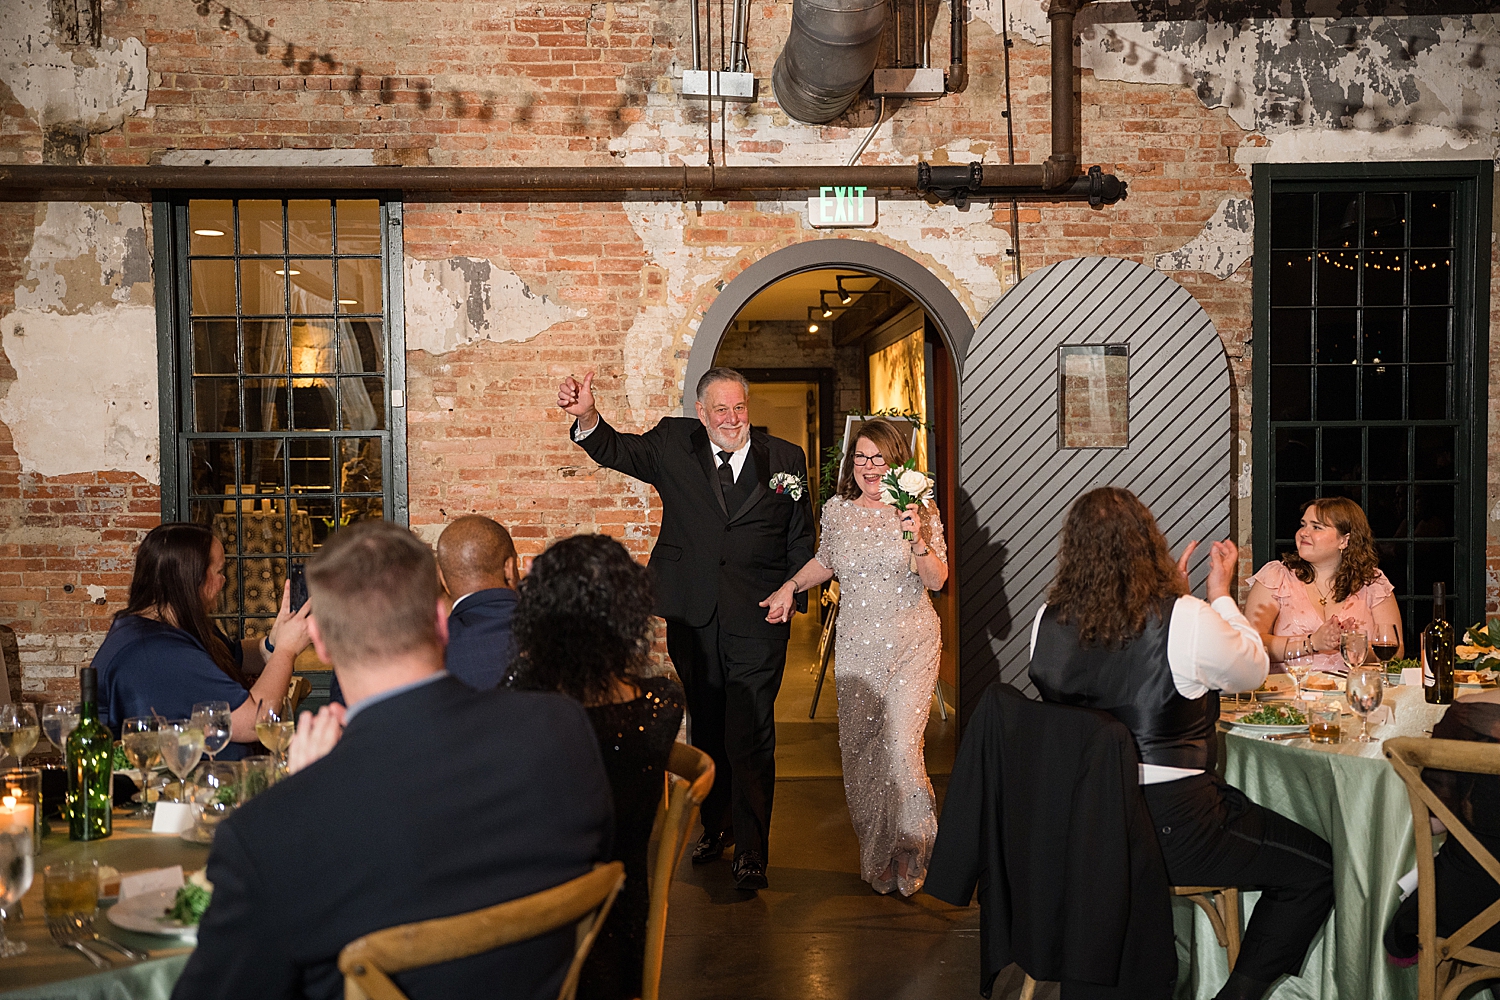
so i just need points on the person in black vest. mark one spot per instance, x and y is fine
(728, 540)
(1121, 633)
(424, 799)
(477, 566)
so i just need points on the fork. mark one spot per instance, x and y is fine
(64, 934)
(86, 930)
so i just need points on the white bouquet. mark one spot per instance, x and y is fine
(903, 486)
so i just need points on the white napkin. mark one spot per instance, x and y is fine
(1407, 884)
(156, 880)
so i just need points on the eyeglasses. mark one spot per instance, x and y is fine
(868, 459)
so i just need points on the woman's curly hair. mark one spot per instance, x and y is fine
(1114, 569)
(1360, 562)
(583, 620)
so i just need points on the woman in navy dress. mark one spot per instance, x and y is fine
(163, 653)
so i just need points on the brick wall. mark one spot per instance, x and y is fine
(446, 82)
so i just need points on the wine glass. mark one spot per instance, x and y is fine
(15, 879)
(142, 743)
(274, 729)
(1297, 666)
(217, 789)
(213, 718)
(1355, 649)
(1365, 689)
(1384, 642)
(181, 742)
(59, 718)
(18, 730)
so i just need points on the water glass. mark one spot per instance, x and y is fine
(19, 730)
(181, 748)
(217, 790)
(21, 801)
(70, 890)
(213, 717)
(259, 774)
(1365, 689)
(58, 720)
(16, 850)
(1355, 649)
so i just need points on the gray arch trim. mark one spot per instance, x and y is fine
(1016, 484)
(817, 255)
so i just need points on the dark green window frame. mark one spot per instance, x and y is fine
(175, 347)
(1471, 183)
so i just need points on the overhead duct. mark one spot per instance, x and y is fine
(830, 52)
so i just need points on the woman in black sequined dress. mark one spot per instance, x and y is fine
(583, 626)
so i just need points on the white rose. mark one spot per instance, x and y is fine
(912, 481)
(886, 497)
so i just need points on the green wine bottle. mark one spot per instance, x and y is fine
(91, 759)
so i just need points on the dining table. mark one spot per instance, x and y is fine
(48, 971)
(1348, 794)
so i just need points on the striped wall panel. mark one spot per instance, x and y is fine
(1017, 484)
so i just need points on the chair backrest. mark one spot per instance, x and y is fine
(1409, 756)
(296, 691)
(690, 775)
(369, 962)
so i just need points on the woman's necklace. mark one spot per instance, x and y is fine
(1323, 596)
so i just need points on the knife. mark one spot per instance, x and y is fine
(1284, 736)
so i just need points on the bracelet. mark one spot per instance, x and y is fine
(919, 555)
(266, 641)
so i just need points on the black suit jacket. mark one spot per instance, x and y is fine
(479, 644)
(1044, 815)
(708, 557)
(437, 801)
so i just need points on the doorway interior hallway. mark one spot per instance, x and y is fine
(820, 932)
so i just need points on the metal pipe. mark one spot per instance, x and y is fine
(738, 50)
(865, 142)
(958, 69)
(924, 34)
(1021, 181)
(697, 57)
(1063, 163)
(830, 52)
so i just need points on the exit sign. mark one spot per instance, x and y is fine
(841, 208)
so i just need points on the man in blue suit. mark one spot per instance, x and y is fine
(477, 566)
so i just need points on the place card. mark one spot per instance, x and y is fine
(1411, 676)
(173, 817)
(157, 880)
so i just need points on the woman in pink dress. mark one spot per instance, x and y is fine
(1331, 584)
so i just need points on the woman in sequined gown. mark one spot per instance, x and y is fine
(885, 658)
(583, 626)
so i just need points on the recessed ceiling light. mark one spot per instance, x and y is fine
(348, 302)
(208, 232)
(292, 271)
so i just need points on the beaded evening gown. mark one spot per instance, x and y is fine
(885, 665)
(635, 738)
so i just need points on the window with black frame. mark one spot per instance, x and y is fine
(1365, 389)
(285, 366)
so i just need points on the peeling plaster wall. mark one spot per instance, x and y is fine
(1227, 241)
(82, 341)
(450, 303)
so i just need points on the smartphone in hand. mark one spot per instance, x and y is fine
(298, 576)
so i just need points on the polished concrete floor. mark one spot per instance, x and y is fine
(819, 932)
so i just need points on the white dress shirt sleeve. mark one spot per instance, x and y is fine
(1211, 647)
(579, 433)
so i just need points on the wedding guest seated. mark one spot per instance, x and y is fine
(1120, 633)
(584, 627)
(1464, 888)
(477, 566)
(163, 652)
(1300, 603)
(423, 799)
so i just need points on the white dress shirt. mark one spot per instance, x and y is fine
(1210, 647)
(736, 459)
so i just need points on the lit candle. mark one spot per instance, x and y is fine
(14, 816)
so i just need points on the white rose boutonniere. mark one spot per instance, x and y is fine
(789, 483)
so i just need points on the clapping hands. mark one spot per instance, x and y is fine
(316, 735)
(1222, 560)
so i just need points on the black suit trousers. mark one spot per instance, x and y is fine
(731, 683)
(1211, 834)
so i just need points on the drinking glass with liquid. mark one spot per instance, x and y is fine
(1323, 722)
(18, 730)
(70, 890)
(59, 719)
(181, 748)
(213, 718)
(142, 745)
(274, 728)
(15, 878)
(1365, 689)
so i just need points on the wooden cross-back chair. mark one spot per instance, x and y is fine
(690, 775)
(1220, 902)
(1446, 966)
(369, 962)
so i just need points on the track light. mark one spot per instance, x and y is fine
(845, 296)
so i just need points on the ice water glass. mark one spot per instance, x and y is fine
(16, 851)
(213, 717)
(58, 720)
(1354, 647)
(1365, 689)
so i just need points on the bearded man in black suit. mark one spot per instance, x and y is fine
(736, 524)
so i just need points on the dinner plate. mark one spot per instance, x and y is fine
(1250, 729)
(147, 914)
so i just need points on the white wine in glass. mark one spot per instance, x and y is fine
(181, 745)
(1297, 667)
(142, 744)
(18, 730)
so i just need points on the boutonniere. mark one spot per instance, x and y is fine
(789, 483)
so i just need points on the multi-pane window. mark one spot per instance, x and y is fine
(1363, 376)
(284, 388)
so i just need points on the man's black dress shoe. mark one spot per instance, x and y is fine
(710, 848)
(749, 871)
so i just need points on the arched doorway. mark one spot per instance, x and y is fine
(946, 321)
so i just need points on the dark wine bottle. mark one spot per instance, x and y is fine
(91, 758)
(1437, 651)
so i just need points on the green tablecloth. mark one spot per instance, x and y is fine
(1348, 794)
(47, 971)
